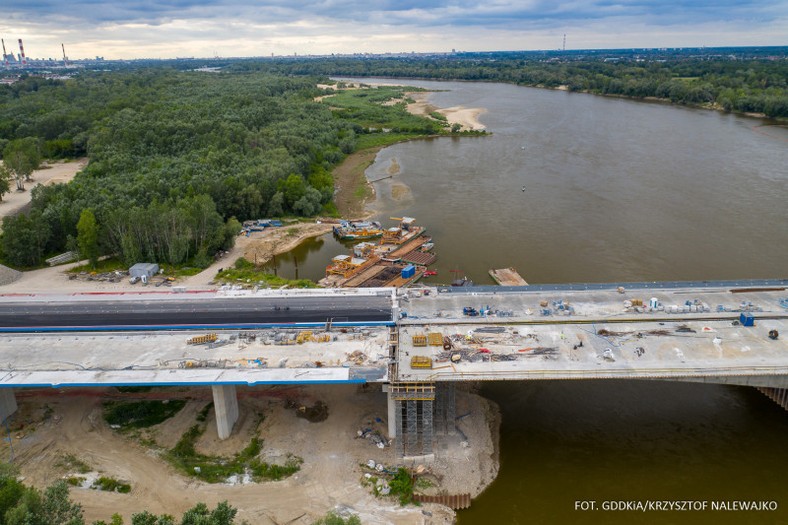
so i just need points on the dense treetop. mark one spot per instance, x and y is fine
(253, 144)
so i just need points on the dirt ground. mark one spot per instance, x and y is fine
(54, 173)
(57, 423)
(348, 178)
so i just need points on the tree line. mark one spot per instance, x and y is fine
(731, 79)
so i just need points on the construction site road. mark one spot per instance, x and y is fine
(214, 312)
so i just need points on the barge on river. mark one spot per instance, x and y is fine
(358, 230)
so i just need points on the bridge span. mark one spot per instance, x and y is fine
(418, 343)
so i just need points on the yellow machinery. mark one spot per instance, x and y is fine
(306, 336)
(420, 361)
(203, 339)
(435, 339)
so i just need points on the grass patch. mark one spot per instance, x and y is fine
(267, 471)
(180, 271)
(140, 414)
(247, 272)
(75, 481)
(110, 264)
(439, 116)
(362, 191)
(374, 140)
(330, 210)
(71, 462)
(366, 108)
(203, 414)
(402, 486)
(216, 469)
(107, 484)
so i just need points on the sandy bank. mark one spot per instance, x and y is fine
(59, 423)
(353, 190)
(468, 118)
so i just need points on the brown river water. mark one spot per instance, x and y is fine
(578, 188)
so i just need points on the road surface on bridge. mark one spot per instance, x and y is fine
(208, 312)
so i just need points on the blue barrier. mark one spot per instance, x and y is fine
(180, 327)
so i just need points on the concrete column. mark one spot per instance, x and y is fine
(392, 416)
(7, 403)
(225, 404)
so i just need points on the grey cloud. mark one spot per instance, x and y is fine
(393, 12)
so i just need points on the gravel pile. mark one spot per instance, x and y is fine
(8, 275)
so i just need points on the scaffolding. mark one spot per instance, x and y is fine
(413, 417)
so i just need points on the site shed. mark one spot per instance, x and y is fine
(146, 269)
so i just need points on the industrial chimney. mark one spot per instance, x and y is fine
(22, 51)
(5, 56)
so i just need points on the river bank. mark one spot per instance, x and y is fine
(466, 118)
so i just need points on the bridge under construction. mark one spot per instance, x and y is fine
(418, 343)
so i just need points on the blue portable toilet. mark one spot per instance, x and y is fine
(747, 319)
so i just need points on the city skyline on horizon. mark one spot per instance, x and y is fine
(245, 28)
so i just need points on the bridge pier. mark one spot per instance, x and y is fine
(445, 412)
(7, 403)
(778, 395)
(225, 405)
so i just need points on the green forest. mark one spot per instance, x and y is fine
(735, 79)
(178, 159)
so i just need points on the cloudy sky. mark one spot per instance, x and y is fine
(203, 28)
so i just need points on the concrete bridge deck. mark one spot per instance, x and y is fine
(675, 332)
(664, 333)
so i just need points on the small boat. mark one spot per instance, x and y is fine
(430, 273)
